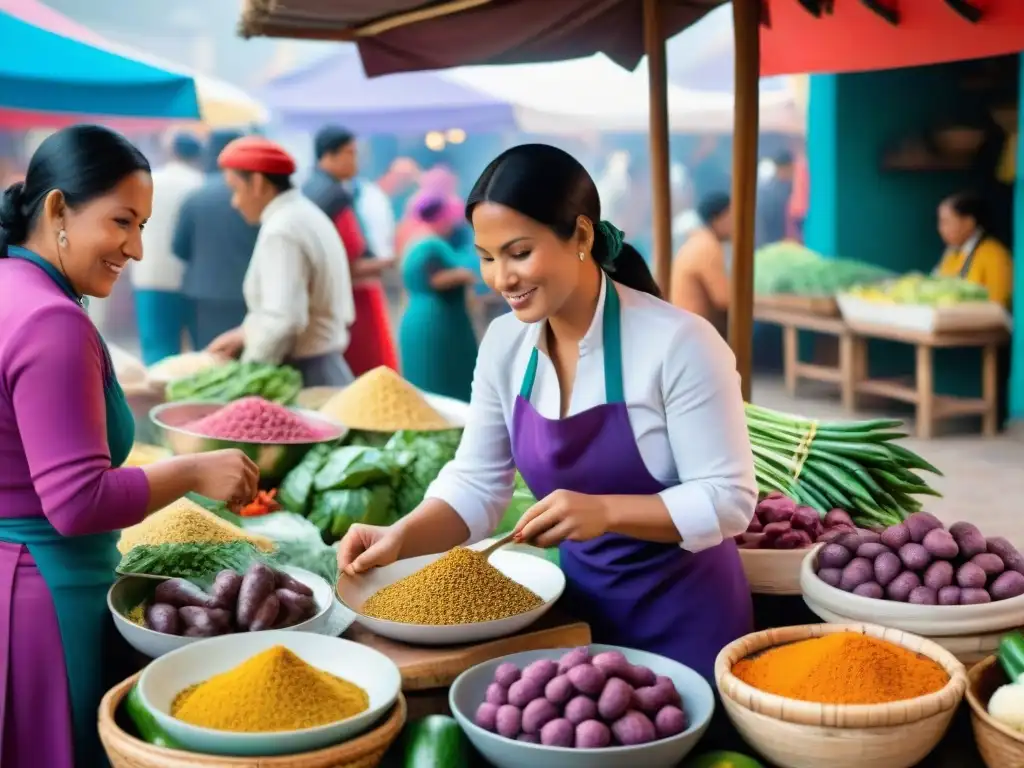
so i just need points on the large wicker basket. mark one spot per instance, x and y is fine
(800, 734)
(1000, 746)
(126, 751)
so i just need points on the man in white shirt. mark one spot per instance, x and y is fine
(298, 290)
(159, 305)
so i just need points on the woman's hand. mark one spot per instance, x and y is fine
(229, 344)
(228, 476)
(561, 516)
(368, 546)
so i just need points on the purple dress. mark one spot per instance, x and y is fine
(55, 464)
(639, 594)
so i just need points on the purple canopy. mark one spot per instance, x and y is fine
(336, 89)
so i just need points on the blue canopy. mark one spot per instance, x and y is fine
(46, 72)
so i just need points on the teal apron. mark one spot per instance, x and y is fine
(79, 570)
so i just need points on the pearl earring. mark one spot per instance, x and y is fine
(62, 239)
(582, 255)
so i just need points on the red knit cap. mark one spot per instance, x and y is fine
(255, 154)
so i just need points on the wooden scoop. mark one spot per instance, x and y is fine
(503, 541)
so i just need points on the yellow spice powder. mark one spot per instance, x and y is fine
(185, 522)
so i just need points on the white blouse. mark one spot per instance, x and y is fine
(684, 402)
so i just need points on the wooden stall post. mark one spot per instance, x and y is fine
(746, 16)
(661, 197)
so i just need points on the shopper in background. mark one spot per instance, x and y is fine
(971, 252)
(773, 199)
(160, 309)
(298, 292)
(215, 243)
(436, 336)
(372, 343)
(701, 268)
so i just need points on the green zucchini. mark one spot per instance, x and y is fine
(435, 741)
(1011, 656)
(145, 723)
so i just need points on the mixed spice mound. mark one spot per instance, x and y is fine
(185, 522)
(843, 668)
(274, 690)
(460, 587)
(382, 401)
(254, 419)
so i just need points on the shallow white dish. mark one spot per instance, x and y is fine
(167, 676)
(467, 692)
(927, 620)
(545, 579)
(129, 591)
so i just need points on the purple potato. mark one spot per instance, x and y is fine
(794, 540)
(670, 721)
(616, 698)
(537, 714)
(487, 717)
(613, 664)
(558, 733)
(579, 709)
(806, 519)
(939, 575)
(914, 556)
(258, 584)
(573, 658)
(831, 576)
(509, 721)
(284, 581)
(836, 517)
(969, 539)
(895, 536)
(949, 595)
(559, 690)
(266, 614)
(163, 617)
(856, 572)
(941, 544)
(593, 734)
(919, 524)
(525, 690)
(974, 596)
(1012, 559)
(870, 589)
(225, 589)
(670, 690)
(543, 670)
(922, 596)
(1008, 584)
(181, 592)
(588, 679)
(869, 536)
(633, 728)
(991, 564)
(640, 676)
(506, 674)
(887, 567)
(899, 589)
(850, 540)
(497, 694)
(971, 576)
(872, 549)
(834, 556)
(649, 699)
(528, 738)
(831, 534)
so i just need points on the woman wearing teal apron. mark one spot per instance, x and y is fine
(622, 413)
(65, 429)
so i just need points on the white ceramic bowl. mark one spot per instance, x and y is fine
(455, 411)
(545, 579)
(129, 591)
(467, 692)
(926, 620)
(167, 676)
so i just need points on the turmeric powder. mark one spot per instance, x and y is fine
(842, 668)
(275, 690)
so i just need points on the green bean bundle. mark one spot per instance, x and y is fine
(856, 466)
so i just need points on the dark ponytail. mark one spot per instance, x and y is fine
(551, 187)
(84, 162)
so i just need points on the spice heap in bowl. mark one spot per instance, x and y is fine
(920, 577)
(272, 693)
(592, 706)
(842, 695)
(457, 597)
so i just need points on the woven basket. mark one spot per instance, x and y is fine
(773, 571)
(1000, 746)
(800, 734)
(126, 751)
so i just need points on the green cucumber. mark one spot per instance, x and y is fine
(435, 741)
(145, 723)
(722, 759)
(1011, 656)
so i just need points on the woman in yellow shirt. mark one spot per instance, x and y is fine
(971, 253)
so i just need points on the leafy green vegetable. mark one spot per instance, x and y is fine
(280, 384)
(335, 511)
(790, 268)
(369, 439)
(354, 466)
(422, 456)
(191, 560)
(296, 490)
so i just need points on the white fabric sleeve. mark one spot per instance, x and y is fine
(478, 483)
(282, 276)
(707, 431)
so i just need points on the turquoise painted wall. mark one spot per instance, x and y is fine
(860, 210)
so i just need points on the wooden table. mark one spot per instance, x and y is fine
(930, 406)
(792, 321)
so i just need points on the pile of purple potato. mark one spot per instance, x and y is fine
(583, 702)
(919, 561)
(781, 523)
(264, 598)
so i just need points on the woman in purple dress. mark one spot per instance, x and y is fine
(622, 413)
(66, 233)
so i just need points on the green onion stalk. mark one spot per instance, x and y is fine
(856, 466)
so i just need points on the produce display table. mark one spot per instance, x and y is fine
(792, 321)
(930, 406)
